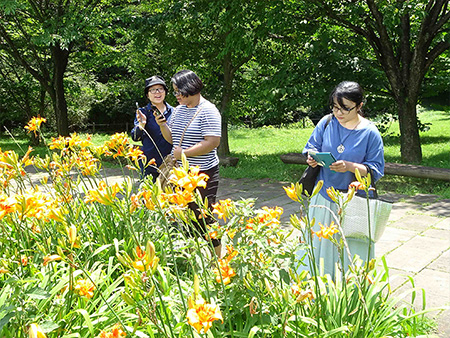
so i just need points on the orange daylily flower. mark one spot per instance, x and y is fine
(57, 143)
(188, 180)
(301, 294)
(180, 197)
(26, 161)
(36, 331)
(34, 124)
(147, 259)
(357, 185)
(148, 201)
(34, 203)
(270, 216)
(326, 232)
(7, 205)
(213, 235)
(331, 192)
(222, 208)
(116, 332)
(201, 314)
(135, 154)
(85, 288)
(231, 252)
(224, 270)
(117, 144)
(51, 258)
(250, 224)
(88, 164)
(104, 194)
(292, 193)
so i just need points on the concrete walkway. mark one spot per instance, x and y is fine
(416, 242)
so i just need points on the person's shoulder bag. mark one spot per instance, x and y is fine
(309, 176)
(169, 162)
(360, 212)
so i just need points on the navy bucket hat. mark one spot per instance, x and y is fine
(154, 80)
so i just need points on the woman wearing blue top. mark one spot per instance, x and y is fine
(356, 143)
(200, 121)
(147, 130)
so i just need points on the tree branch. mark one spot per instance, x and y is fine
(435, 52)
(441, 22)
(14, 52)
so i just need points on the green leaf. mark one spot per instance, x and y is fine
(38, 293)
(337, 330)
(253, 331)
(102, 248)
(49, 326)
(85, 314)
(5, 319)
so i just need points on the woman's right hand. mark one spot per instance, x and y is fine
(160, 119)
(141, 118)
(311, 162)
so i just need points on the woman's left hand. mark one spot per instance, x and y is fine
(340, 166)
(177, 151)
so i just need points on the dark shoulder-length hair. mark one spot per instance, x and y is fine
(187, 82)
(349, 90)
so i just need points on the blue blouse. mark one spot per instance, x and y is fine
(364, 146)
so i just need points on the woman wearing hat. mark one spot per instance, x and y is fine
(147, 130)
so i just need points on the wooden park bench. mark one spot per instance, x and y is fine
(399, 169)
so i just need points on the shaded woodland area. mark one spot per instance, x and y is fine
(263, 63)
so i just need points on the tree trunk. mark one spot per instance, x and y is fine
(410, 147)
(224, 148)
(42, 93)
(60, 59)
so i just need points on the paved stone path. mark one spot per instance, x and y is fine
(415, 243)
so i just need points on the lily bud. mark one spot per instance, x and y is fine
(150, 250)
(196, 286)
(316, 190)
(358, 175)
(36, 332)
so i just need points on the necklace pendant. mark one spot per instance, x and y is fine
(340, 148)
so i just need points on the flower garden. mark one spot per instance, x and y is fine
(80, 257)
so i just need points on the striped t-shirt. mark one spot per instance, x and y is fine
(206, 123)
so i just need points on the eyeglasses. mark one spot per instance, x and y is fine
(176, 93)
(156, 90)
(343, 110)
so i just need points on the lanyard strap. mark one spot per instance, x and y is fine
(184, 131)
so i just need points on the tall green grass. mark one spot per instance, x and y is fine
(259, 153)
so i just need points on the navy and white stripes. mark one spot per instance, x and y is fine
(206, 123)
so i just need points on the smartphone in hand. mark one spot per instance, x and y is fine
(156, 111)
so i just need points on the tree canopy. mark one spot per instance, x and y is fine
(262, 62)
